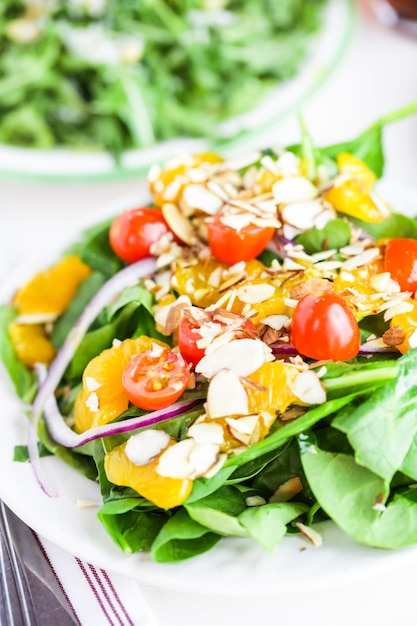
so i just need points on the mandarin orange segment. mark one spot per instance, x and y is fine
(31, 343)
(52, 290)
(164, 492)
(197, 281)
(355, 287)
(357, 169)
(348, 198)
(408, 324)
(171, 181)
(273, 391)
(103, 397)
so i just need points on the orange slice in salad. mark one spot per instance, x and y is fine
(31, 343)
(168, 184)
(102, 397)
(164, 492)
(273, 387)
(50, 291)
(407, 322)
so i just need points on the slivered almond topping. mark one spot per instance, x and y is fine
(226, 395)
(397, 309)
(394, 336)
(311, 286)
(242, 356)
(293, 189)
(174, 462)
(144, 447)
(384, 283)
(287, 490)
(308, 388)
(302, 215)
(412, 340)
(232, 281)
(313, 536)
(198, 197)
(178, 223)
(245, 429)
(276, 321)
(206, 432)
(362, 259)
(255, 292)
(175, 313)
(202, 457)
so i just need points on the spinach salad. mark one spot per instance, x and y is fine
(245, 367)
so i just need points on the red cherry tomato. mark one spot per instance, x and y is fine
(155, 379)
(231, 246)
(323, 327)
(133, 232)
(401, 262)
(188, 336)
(189, 332)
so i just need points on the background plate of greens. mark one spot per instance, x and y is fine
(88, 90)
(235, 566)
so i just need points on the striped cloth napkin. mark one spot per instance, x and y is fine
(95, 596)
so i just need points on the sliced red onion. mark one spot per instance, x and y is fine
(127, 277)
(42, 478)
(286, 349)
(62, 434)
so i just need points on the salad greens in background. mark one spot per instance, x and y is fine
(103, 75)
(355, 454)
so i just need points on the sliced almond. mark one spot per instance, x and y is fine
(277, 322)
(206, 432)
(293, 189)
(307, 387)
(245, 429)
(202, 457)
(312, 535)
(144, 447)
(302, 215)
(242, 356)
(174, 462)
(287, 490)
(254, 293)
(362, 259)
(198, 197)
(226, 395)
(178, 223)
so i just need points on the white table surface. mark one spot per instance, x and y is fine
(377, 74)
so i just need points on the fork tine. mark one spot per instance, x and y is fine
(18, 602)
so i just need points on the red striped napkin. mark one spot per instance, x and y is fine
(95, 596)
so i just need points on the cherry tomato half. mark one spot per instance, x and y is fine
(401, 262)
(189, 332)
(133, 232)
(155, 379)
(231, 246)
(323, 327)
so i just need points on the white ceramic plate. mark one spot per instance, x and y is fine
(234, 566)
(288, 97)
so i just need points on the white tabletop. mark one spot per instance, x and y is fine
(377, 74)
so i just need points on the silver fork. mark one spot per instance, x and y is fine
(16, 602)
(30, 595)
